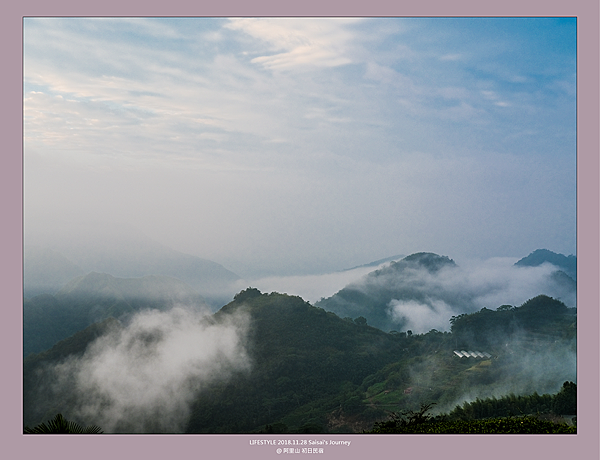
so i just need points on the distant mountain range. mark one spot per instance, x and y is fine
(403, 293)
(95, 297)
(45, 271)
(567, 264)
(376, 263)
(144, 274)
(51, 263)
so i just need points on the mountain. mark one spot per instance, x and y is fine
(46, 271)
(568, 264)
(306, 364)
(309, 370)
(376, 263)
(423, 290)
(370, 297)
(94, 297)
(124, 253)
(301, 357)
(494, 328)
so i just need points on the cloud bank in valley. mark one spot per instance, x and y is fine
(142, 378)
(477, 285)
(311, 288)
(421, 317)
(420, 300)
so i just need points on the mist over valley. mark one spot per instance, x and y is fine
(151, 355)
(53, 257)
(422, 291)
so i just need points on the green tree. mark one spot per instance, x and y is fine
(59, 425)
(399, 422)
(247, 294)
(565, 402)
(361, 321)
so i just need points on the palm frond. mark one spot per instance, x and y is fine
(60, 425)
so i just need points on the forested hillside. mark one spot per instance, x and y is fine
(537, 318)
(308, 370)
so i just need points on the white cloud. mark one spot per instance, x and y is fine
(421, 317)
(143, 378)
(310, 287)
(315, 42)
(452, 57)
(465, 288)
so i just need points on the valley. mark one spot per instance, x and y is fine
(148, 355)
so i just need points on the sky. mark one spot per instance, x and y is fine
(300, 146)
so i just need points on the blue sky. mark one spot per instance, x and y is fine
(305, 145)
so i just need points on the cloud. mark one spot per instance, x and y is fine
(312, 43)
(424, 300)
(497, 281)
(494, 97)
(310, 287)
(467, 288)
(453, 57)
(320, 161)
(143, 378)
(419, 317)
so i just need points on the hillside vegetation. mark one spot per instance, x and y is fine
(491, 416)
(314, 372)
